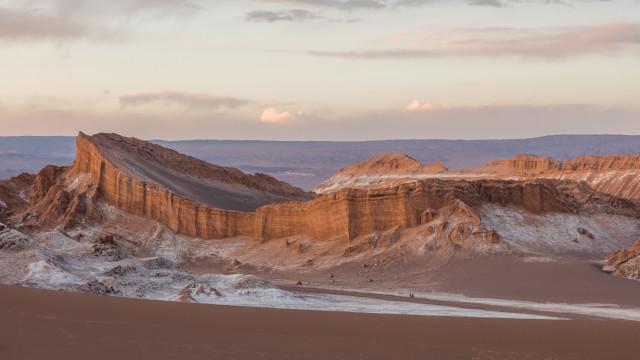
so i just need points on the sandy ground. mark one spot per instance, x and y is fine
(499, 276)
(39, 324)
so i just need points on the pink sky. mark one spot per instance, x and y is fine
(320, 69)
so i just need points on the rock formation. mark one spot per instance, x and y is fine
(625, 263)
(157, 183)
(386, 169)
(613, 174)
(14, 194)
(103, 224)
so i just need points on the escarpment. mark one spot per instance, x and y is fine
(534, 163)
(618, 175)
(109, 168)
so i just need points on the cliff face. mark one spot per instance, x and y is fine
(70, 195)
(536, 164)
(617, 175)
(526, 163)
(216, 186)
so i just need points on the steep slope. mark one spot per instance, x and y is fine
(146, 179)
(221, 187)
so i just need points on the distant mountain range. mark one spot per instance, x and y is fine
(307, 163)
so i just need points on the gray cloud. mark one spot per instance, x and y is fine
(382, 4)
(69, 20)
(273, 16)
(494, 3)
(26, 25)
(188, 100)
(337, 4)
(546, 43)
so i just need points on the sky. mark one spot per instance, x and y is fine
(320, 69)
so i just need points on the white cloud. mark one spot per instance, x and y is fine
(416, 105)
(272, 115)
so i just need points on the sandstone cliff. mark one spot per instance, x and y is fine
(149, 180)
(538, 164)
(523, 163)
(447, 209)
(67, 196)
(613, 174)
(220, 187)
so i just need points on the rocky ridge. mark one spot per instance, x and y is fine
(617, 175)
(109, 193)
(66, 197)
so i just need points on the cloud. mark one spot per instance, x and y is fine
(545, 42)
(30, 25)
(190, 101)
(415, 105)
(273, 16)
(337, 4)
(272, 115)
(350, 5)
(489, 122)
(66, 20)
(494, 3)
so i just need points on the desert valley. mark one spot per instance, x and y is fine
(528, 237)
(319, 179)
(522, 238)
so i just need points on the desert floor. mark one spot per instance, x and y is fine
(43, 324)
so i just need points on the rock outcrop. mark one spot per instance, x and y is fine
(536, 164)
(392, 163)
(111, 168)
(387, 169)
(618, 175)
(625, 263)
(159, 183)
(524, 163)
(14, 194)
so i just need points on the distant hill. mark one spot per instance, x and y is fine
(307, 163)
(31, 153)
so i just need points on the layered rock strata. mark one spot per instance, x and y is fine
(70, 194)
(617, 175)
